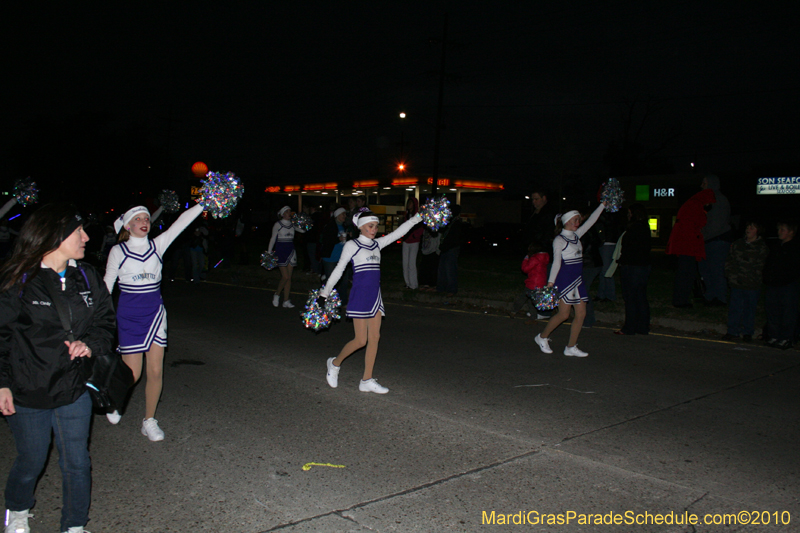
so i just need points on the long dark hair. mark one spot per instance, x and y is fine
(42, 233)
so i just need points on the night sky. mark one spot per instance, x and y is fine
(103, 102)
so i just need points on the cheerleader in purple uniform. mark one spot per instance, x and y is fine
(141, 318)
(365, 305)
(282, 242)
(566, 276)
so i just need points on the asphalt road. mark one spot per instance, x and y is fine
(477, 421)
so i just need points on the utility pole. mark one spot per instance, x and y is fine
(439, 110)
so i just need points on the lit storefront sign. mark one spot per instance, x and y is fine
(787, 185)
(643, 192)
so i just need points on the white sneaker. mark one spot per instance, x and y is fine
(77, 529)
(574, 351)
(276, 300)
(333, 373)
(544, 344)
(151, 430)
(17, 521)
(372, 386)
(542, 317)
(288, 304)
(114, 417)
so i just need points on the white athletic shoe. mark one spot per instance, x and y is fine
(17, 521)
(77, 529)
(114, 417)
(288, 304)
(574, 351)
(371, 385)
(544, 344)
(276, 300)
(151, 430)
(333, 373)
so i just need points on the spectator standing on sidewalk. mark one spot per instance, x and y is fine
(634, 262)
(450, 247)
(411, 246)
(782, 278)
(717, 238)
(686, 241)
(744, 269)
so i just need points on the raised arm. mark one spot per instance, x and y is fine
(404, 228)
(7, 207)
(591, 220)
(187, 217)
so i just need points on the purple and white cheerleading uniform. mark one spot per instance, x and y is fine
(568, 262)
(365, 255)
(141, 317)
(282, 242)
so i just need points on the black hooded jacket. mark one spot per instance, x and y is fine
(34, 360)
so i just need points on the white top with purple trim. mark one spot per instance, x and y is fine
(365, 261)
(569, 247)
(137, 262)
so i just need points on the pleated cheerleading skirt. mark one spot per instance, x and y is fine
(286, 254)
(141, 322)
(570, 283)
(365, 297)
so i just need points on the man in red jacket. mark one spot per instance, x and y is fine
(686, 241)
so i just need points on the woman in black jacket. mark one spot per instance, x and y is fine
(42, 374)
(634, 262)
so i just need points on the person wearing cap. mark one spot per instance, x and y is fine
(365, 305)
(565, 276)
(334, 236)
(43, 374)
(141, 318)
(282, 242)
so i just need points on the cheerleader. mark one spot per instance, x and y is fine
(141, 318)
(283, 242)
(566, 276)
(365, 305)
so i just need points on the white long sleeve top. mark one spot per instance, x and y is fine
(143, 274)
(351, 248)
(568, 248)
(283, 231)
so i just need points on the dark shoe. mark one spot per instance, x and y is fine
(747, 338)
(620, 332)
(783, 345)
(729, 337)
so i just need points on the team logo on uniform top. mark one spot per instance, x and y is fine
(87, 298)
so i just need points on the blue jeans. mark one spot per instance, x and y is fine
(606, 289)
(712, 268)
(588, 276)
(32, 429)
(311, 249)
(634, 292)
(742, 312)
(684, 280)
(781, 306)
(448, 271)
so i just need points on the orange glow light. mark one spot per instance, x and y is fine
(199, 169)
(404, 182)
(468, 184)
(272, 189)
(440, 182)
(365, 184)
(320, 186)
(291, 188)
